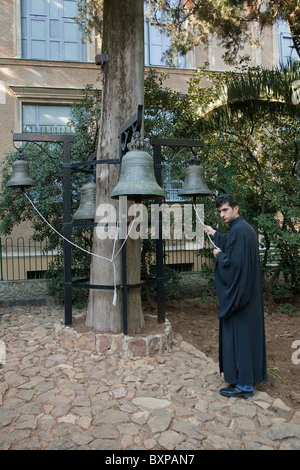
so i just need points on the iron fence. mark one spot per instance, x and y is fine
(22, 259)
(185, 255)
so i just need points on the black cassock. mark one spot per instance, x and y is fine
(238, 282)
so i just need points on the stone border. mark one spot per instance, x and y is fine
(130, 347)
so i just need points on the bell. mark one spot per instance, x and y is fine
(137, 178)
(20, 175)
(194, 181)
(86, 209)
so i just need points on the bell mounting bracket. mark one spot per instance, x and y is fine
(131, 131)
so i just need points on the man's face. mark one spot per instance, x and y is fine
(228, 214)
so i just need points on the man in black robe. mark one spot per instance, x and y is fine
(239, 287)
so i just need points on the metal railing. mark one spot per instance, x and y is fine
(20, 259)
(184, 255)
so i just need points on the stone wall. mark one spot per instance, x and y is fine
(130, 347)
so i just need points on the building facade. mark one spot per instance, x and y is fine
(45, 65)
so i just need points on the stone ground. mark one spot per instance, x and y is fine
(55, 398)
(195, 317)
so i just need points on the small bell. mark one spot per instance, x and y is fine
(86, 209)
(20, 175)
(137, 178)
(194, 181)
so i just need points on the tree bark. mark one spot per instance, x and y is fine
(122, 92)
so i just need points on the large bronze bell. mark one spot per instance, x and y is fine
(194, 181)
(137, 178)
(20, 175)
(86, 209)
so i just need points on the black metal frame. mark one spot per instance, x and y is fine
(157, 144)
(125, 133)
(66, 141)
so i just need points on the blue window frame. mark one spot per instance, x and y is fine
(156, 44)
(46, 119)
(49, 31)
(286, 50)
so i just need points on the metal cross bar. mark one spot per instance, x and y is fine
(126, 131)
(157, 144)
(42, 137)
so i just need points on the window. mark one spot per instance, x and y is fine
(156, 43)
(46, 119)
(172, 185)
(286, 50)
(49, 31)
(171, 191)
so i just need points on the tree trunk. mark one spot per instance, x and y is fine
(122, 92)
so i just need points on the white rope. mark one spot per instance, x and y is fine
(114, 256)
(111, 260)
(203, 226)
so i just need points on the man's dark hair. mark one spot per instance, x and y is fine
(226, 198)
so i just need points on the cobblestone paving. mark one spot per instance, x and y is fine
(55, 398)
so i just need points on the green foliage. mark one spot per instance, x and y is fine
(251, 150)
(273, 370)
(287, 308)
(90, 16)
(45, 162)
(207, 271)
(148, 270)
(164, 107)
(85, 119)
(192, 23)
(260, 149)
(55, 278)
(46, 193)
(171, 280)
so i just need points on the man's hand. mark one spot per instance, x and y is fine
(216, 251)
(209, 230)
